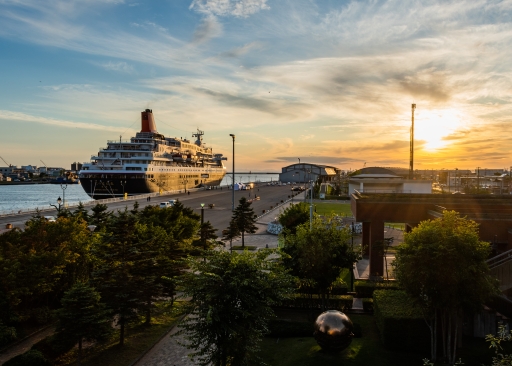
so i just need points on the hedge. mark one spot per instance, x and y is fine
(400, 322)
(29, 358)
(335, 302)
(365, 288)
(54, 346)
(368, 304)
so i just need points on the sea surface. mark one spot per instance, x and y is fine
(29, 197)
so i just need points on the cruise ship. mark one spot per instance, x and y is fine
(150, 162)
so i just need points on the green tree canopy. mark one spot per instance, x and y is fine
(82, 316)
(293, 216)
(231, 298)
(442, 266)
(319, 254)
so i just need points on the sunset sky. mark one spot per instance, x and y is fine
(326, 81)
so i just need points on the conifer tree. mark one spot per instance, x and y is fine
(82, 316)
(244, 218)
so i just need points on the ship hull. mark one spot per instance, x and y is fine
(101, 185)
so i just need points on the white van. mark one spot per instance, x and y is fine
(164, 204)
(172, 202)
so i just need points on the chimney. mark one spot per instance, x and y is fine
(148, 122)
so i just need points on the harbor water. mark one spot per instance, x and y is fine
(24, 197)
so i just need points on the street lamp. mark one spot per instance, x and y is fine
(233, 187)
(59, 201)
(63, 187)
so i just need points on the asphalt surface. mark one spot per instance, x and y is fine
(219, 216)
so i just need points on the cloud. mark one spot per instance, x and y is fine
(117, 66)
(236, 8)
(240, 51)
(22, 117)
(208, 29)
(322, 160)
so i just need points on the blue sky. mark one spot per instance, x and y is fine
(328, 82)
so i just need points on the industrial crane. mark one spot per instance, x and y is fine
(44, 164)
(5, 161)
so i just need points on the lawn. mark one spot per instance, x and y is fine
(364, 351)
(138, 339)
(341, 209)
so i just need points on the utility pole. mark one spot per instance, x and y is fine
(411, 160)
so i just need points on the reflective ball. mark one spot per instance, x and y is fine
(333, 331)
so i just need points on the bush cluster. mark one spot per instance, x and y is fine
(400, 322)
(336, 302)
(365, 288)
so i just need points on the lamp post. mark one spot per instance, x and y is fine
(233, 187)
(63, 187)
(59, 201)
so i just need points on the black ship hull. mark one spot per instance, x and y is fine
(101, 186)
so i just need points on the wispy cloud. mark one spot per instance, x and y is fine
(208, 29)
(22, 117)
(117, 66)
(237, 8)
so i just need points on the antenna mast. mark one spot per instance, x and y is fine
(411, 160)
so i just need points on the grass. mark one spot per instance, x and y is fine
(138, 338)
(341, 209)
(364, 351)
(367, 350)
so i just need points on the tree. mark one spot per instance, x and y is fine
(244, 218)
(207, 236)
(100, 216)
(231, 298)
(117, 256)
(293, 216)
(319, 254)
(231, 232)
(82, 316)
(442, 266)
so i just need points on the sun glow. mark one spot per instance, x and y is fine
(433, 126)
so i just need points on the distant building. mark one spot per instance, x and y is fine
(29, 168)
(76, 166)
(6, 170)
(382, 180)
(304, 172)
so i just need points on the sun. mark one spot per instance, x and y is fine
(434, 125)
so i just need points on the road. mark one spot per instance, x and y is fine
(219, 216)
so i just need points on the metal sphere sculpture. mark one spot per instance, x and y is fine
(333, 331)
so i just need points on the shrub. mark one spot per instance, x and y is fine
(336, 302)
(339, 287)
(368, 304)
(365, 288)
(7, 334)
(54, 346)
(400, 322)
(29, 358)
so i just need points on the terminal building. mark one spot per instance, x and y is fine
(382, 180)
(305, 172)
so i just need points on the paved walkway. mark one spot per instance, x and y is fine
(25, 345)
(167, 352)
